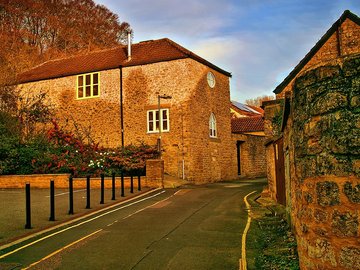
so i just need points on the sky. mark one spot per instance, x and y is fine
(258, 41)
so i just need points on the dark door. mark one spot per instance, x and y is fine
(238, 151)
(280, 171)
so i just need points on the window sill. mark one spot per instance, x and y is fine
(84, 98)
(157, 132)
(217, 140)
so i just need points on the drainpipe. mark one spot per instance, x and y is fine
(121, 108)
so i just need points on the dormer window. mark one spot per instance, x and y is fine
(88, 85)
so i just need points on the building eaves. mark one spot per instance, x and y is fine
(147, 52)
(346, 15)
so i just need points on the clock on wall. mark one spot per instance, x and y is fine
(211, 79)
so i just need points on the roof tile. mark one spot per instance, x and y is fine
(247, 124)
(143, 53)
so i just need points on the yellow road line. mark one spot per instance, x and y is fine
(243, 264)
(63, 248)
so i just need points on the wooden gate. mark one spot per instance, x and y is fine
(280, 171)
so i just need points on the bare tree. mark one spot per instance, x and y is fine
(258, 100)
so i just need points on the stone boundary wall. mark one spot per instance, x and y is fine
(325, 180)
(155, 172)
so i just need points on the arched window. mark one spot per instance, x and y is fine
(212, 126)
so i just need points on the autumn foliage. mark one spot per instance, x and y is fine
(33, 31)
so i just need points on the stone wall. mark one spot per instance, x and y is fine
(252, 155)
(325, 171)
(273, 114)
(62, 181)
(188, 149)
(96, 118)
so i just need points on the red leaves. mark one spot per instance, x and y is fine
(69, 154)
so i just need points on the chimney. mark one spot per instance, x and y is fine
(129, 44)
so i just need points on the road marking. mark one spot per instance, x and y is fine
(65, 193)
(79, 224)
(150, 206)
(63, 248)
(243, 264)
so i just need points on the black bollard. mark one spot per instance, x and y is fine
(71, 196)
(52, 201)
(28, 207)
(87, 192)
(122, 184)
(139, 182)
(131, 183)
(113, 186)
(102, 189)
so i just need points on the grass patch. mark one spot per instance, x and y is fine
(271, 244)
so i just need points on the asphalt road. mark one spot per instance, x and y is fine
(194, 227)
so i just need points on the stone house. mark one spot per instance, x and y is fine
(116, 95)
(313, 147)
(249, 138)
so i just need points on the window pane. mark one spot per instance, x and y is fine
(95, 78)
(151, 126)
(88, 91)
(80, 92)
(157, 120)
(95, 90)
(80, 80)
(165, 125)
(88, 79)
(164, 114)
(151, 117)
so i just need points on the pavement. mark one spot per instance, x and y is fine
(13, 205)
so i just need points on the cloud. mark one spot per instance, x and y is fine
(258, 41)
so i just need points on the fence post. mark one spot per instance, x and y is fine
(102, 189)
(131, 182)
(28, 206)
(87, 192)
(52, 201)
(122, 184)
(139, 182)
(71, 196)
(113, 186)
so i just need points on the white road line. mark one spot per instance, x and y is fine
(61, 249)
(65, 193)
(243, 264)
(79, 224)
(140, 210)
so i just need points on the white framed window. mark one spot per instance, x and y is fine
(153, 120)
(88, 85)
(212, 126)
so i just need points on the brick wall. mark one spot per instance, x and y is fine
(187, 145)
(325, 171)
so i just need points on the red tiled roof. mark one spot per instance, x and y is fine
(142, 53)
(247, 124)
